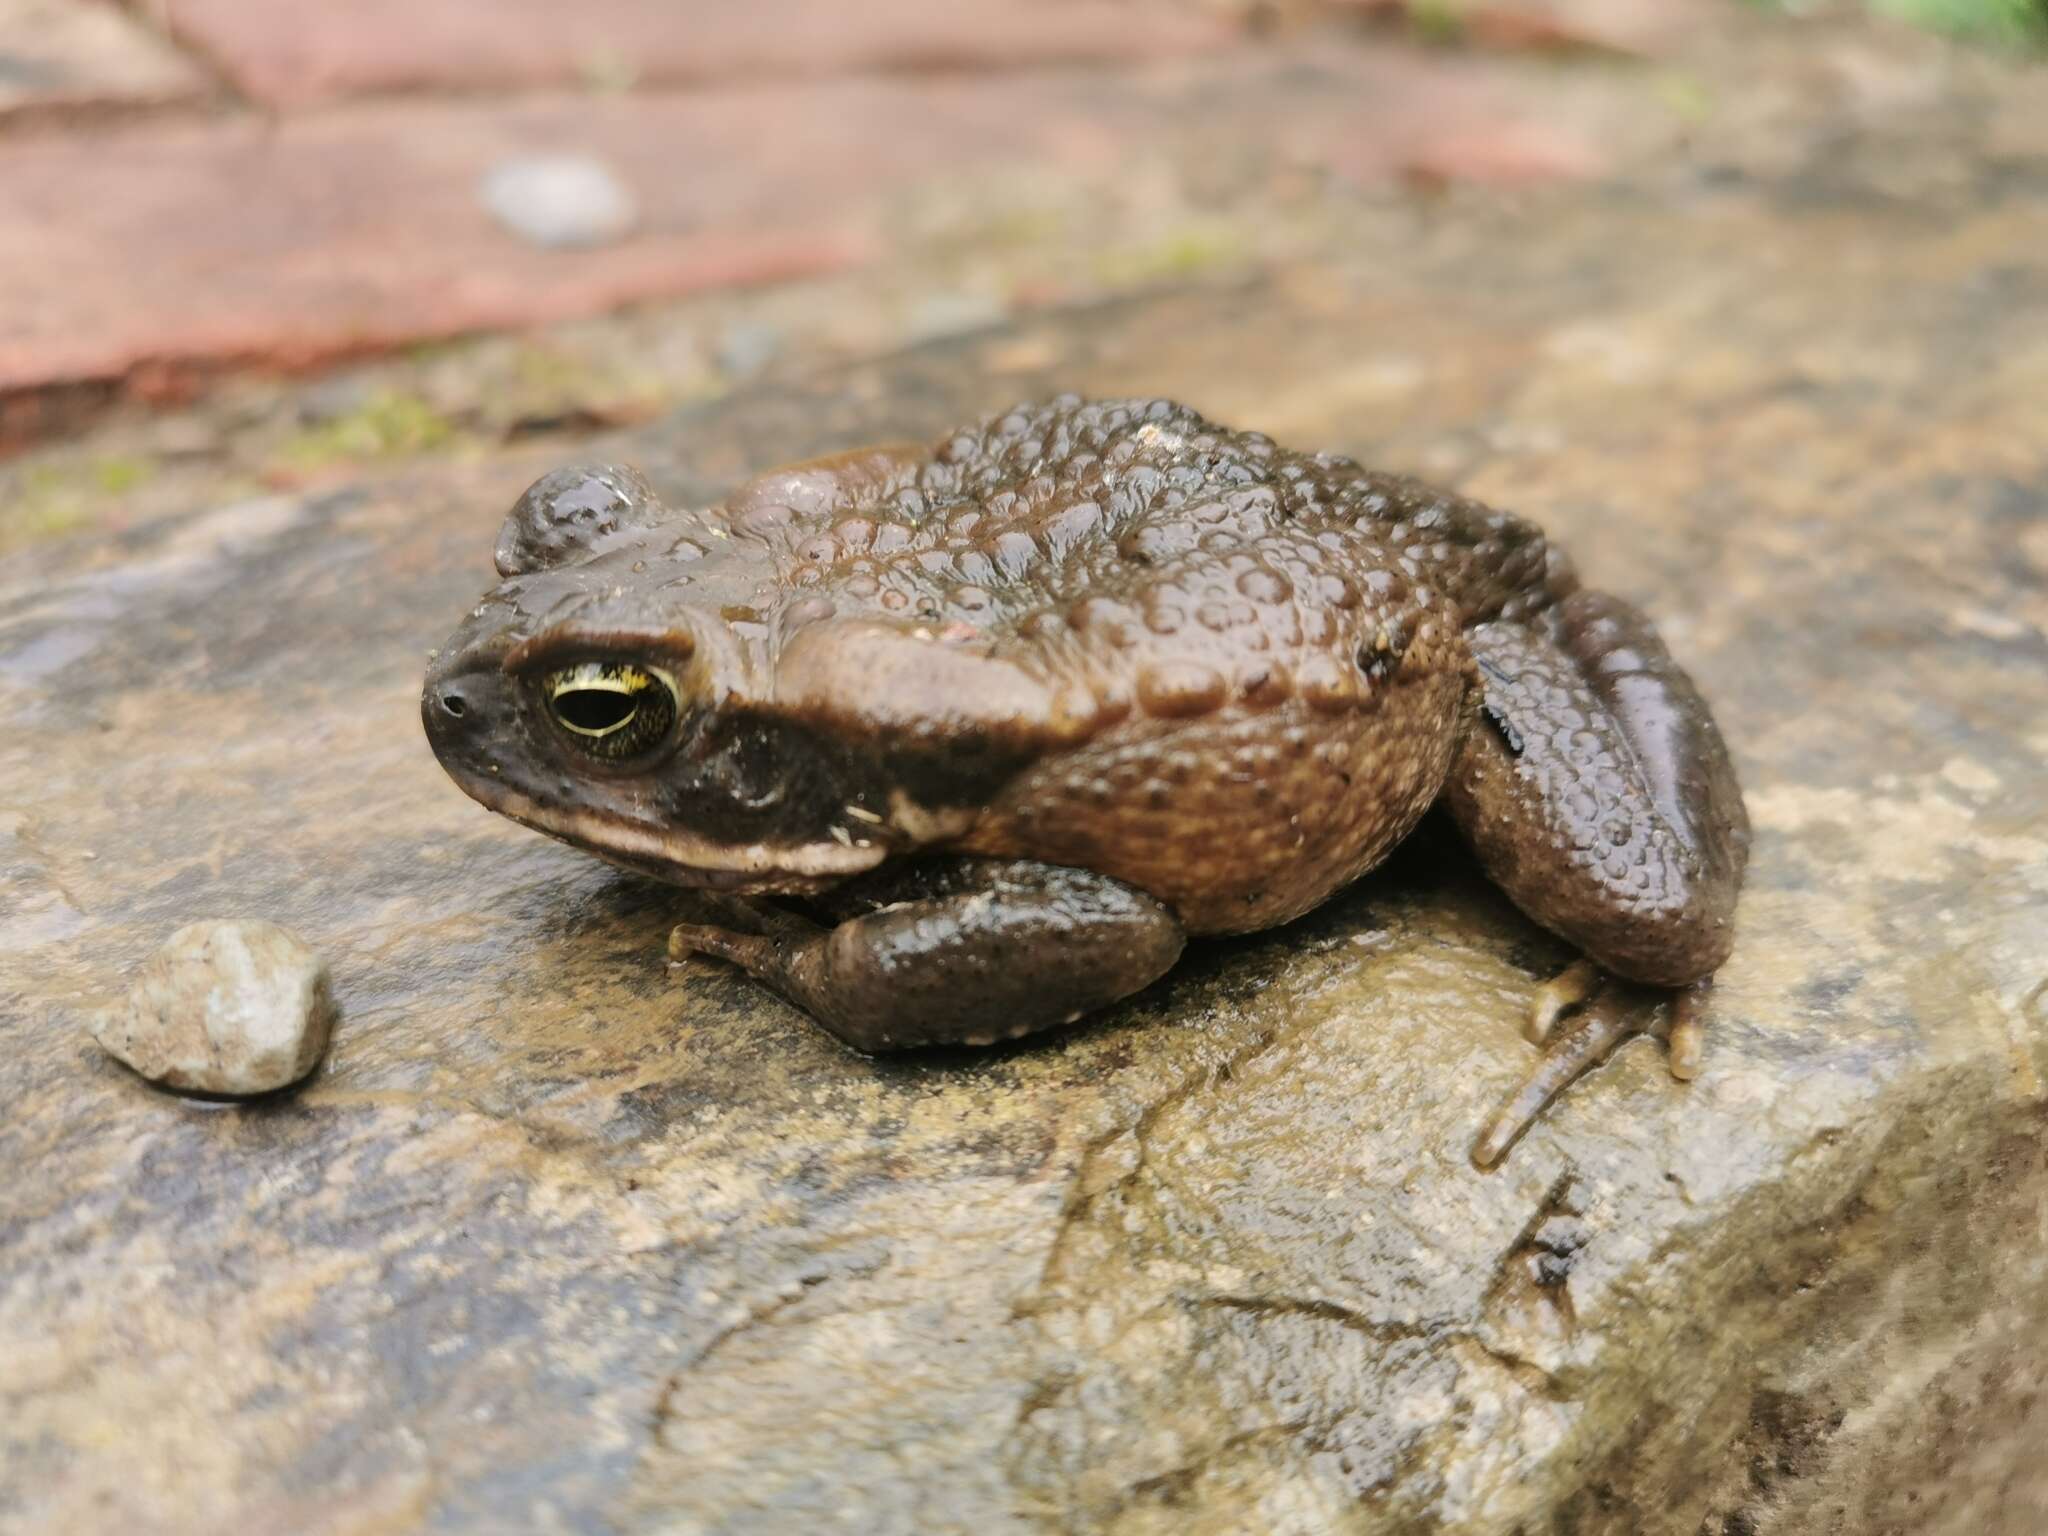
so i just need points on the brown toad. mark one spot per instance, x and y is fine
(1013, 716)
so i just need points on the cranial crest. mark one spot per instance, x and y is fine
(567, 516)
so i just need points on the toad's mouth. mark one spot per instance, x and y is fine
(682, 858)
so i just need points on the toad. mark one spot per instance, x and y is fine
(967, 740)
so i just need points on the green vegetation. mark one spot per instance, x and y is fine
(1437, 21)
(387, 425)
(47, 501)
(45, 505)
(119, 473)
(2006, 23)
(1189, 252)
(2013, 24)
(1687, 96)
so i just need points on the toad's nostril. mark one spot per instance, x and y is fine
(454, 703)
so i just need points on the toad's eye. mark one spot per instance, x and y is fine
(611, 710)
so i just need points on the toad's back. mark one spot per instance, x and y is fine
(1259, 651)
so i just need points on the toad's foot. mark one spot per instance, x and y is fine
(1585, 1041)
(745, 933)
(1558, 997)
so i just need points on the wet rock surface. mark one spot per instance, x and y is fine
(230, 1007)
(557, 1242)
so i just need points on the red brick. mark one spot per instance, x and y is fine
(145, 256)
(76, 56)
(229, 242)
(292, 52)
(1504, 155)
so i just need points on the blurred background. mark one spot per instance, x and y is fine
(250, 244)
(1746, 305)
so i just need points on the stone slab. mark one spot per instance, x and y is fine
(555, 1242)
(78, 58)
(293, 53)
(150, 259)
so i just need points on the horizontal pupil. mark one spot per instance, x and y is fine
(595, 711)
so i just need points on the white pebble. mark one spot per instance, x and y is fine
(560, 201)
(233, 1008)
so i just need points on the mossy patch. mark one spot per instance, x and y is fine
(1188, 252)
(48, 501)
(390, 424)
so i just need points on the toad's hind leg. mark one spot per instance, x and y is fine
(1598, 795)
(951, 951)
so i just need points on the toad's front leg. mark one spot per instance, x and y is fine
(965, 951)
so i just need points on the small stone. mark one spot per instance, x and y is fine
(335, 398)
(746, 347)
(939, 315)
(560, 201)
(234, 1008)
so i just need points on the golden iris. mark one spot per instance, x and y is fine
(611, 709)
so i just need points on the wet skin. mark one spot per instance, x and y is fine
(972, 737)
